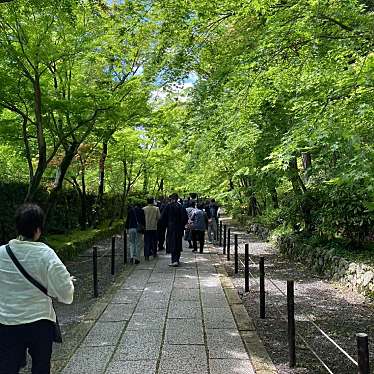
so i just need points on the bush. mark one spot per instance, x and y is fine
(68, 246)
(66, 214)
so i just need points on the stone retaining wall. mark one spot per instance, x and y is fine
(354, 275)
(324, 261)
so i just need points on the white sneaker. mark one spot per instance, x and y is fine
(174, 264)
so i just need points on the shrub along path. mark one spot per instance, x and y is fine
(338, 311)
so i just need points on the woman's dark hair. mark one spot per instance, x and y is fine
(150, 200)
(29, 217)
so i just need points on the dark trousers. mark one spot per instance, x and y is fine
(150, 243)
(161, 230)
(174, 244)
(198, 236)
(37, 337)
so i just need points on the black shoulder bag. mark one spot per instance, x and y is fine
(57, 337)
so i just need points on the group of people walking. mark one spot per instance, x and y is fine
(173, 220)
(31, 274)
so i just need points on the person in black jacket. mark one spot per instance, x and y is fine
(135, 224)
(174, 217)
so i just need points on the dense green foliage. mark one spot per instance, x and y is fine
(265, 104)
(281, 115)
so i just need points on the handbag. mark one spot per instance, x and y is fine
(57, 337)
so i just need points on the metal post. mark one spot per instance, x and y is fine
(220, 233)
(363, 353)
(291, 324)
(228, 243)
(236, 254)
(224, 239)
(113, 255)
(124, 247)
(246, 268)
(94, 261)
(262, 287)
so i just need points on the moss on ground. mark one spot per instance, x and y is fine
(69, 245)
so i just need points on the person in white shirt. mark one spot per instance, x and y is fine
(26, 314)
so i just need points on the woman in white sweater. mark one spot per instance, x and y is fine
(26, 314)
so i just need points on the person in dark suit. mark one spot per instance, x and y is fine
(174, 218)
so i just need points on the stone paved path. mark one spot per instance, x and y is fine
(166, 321)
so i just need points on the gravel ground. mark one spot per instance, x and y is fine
(339, 312)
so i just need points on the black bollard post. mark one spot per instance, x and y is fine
(112, 267)
(224, 239)
(94, 262)
(236, 254)
(262, 287)
(124, 247)
(246, 268)
(291, 324)
(228, 243)
(220, 233)
(363, 353)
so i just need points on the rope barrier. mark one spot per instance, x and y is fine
(252, 276)
(283, 293)
(332, 341)
(314, 353)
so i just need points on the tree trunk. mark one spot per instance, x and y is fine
(83, 199)
(307, 164)
(60, 176)
(231, 185)
(274, 197)
(161, 186)
(295, 179)
(145, 181)
(34, 182)
(104, 154)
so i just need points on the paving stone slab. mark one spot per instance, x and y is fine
(186, 283)
(225, 366)
(218, 318)
(161, 278)
(104, 333)
(152, 302)
(213, 300)
(188, 294)
(184, 331)
(135, 346)
(132, 367)
(186, 273)
(180, 366)
(126, 297)
(210, 282)
(225, 344)
(158, 288)
(184, 351)
(88, 360)
(150, 312)
(139, 321)
(184, 309)
(117, 312)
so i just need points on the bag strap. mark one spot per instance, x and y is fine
(24, 272)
